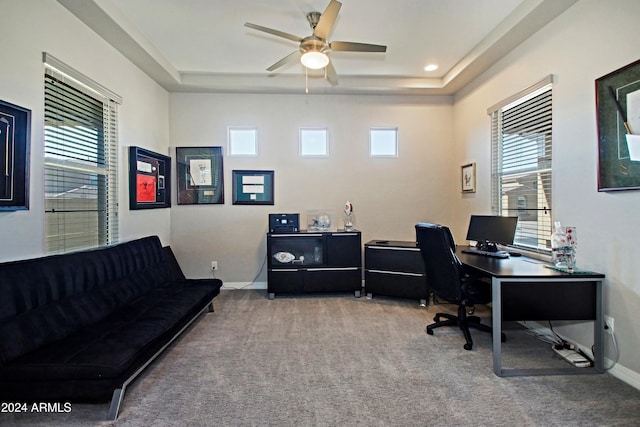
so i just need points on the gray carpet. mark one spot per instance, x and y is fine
(341, 361)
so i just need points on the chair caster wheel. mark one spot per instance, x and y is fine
(429, 332)
(468, 346)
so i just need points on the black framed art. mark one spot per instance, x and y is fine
(618, 115)
(200, 175)
(15, 138)
(149, 179)
(252, 187)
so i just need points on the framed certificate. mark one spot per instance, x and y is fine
(252, 187)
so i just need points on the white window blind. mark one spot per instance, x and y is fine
(81, 152)
(521, 141)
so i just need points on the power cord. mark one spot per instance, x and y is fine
(253, 281)
(615, 349)
(560, 343)
(550, 336)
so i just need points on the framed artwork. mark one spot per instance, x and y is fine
(15, 141)
(618, 116)
(468, 176)
(252, 187)
(200, 178)
(149, 179)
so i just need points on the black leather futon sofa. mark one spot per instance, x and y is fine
(80, 327)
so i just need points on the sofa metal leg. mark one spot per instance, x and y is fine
(116, 400)
(211, 310)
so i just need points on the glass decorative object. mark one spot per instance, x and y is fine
(564, 242)
(349, 217)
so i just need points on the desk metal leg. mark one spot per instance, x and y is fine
(598, 330)
(496, 311)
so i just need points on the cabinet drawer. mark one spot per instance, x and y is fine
(394, 284)
(332, 279)
(288, 281)
(408, 260)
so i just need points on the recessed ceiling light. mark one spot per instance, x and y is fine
(431, 67)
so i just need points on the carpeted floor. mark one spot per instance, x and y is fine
(336, 360)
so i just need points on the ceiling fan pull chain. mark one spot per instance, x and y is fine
(306, 80)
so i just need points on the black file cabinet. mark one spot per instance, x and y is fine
(306, 262)
(395, 269)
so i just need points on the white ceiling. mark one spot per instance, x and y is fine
(203, 45)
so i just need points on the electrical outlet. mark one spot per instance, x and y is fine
(214, 265)
(608, 324)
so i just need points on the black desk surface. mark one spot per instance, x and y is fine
(521, 267)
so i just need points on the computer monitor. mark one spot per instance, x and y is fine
(488, 230)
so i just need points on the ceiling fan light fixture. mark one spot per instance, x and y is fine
(314, 60)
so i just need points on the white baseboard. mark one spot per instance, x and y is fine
(623, 374)
(244, 285)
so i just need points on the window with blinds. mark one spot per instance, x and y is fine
(81, 151)
(521, 140)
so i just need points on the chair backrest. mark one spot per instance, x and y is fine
(442, 267)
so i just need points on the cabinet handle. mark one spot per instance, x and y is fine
(386, 248)
(301, 235)
(344, 234)
(400, 273)
(333, 269)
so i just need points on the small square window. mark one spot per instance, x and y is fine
(314, 142)
(383, 142)
(243, 141)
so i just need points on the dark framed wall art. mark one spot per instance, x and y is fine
(15, 138)
(251, 187)
(149, 179)
(618, 114)
(200, 175)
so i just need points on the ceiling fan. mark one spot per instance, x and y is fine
(314, 49)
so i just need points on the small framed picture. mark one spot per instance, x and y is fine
(251, 187)
(468, 175)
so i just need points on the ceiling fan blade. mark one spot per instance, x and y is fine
(291, 57)
(274, 32)
(332, 76)
(356, 47)
(327, 19)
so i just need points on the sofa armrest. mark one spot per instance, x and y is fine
(175, 271)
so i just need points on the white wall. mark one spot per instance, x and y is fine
(389, 194)
(588, 41)
(26, 32)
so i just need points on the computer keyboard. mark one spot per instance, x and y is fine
(497, 254)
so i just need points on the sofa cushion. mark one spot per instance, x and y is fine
(49, 298)
(110, 347)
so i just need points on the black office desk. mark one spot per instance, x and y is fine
(524, 289)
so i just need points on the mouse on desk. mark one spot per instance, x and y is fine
(515, 254)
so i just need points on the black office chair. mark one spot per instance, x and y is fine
(449, 281)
